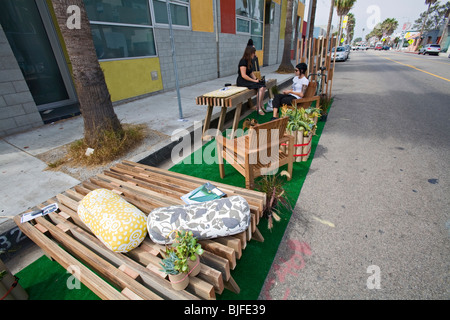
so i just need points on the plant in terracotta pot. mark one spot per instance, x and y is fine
(176, 268)
(185, 244)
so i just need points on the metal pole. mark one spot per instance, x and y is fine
(172, 42)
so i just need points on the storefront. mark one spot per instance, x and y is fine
(132, 42)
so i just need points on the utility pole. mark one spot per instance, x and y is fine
(172, 42)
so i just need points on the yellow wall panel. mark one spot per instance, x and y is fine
(202, 15)
(283, 19)
(131, 78)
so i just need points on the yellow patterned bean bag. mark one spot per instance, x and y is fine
(117, 223)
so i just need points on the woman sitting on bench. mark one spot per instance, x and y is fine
(299, 85)
(246, 78)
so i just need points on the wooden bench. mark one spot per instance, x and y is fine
(136, 274)
(228, 101)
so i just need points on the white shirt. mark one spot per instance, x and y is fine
(297, 85)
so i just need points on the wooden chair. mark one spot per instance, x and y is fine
(310, 96)
(258, 152)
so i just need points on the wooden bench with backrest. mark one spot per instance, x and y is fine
(252, 155)
(309, 97)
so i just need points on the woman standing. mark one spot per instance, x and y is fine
(246, 78)
(299, 85)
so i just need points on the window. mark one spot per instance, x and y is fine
(250, 19)
(179, 10)
(121, 29)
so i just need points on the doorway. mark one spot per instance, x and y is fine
(30, 32)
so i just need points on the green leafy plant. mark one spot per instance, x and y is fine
(276, 197)
(298, 119)
(173, 264)
(185, 245)
(313, 112)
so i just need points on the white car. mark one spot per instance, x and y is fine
(430, 49)
(341, 54)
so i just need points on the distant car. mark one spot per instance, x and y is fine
(430, 49)
(386, 48)
(341, 54)
(379, 46)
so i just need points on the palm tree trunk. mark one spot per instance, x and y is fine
(339, 31)
(423, 25)
(95, 100)
(286, 65)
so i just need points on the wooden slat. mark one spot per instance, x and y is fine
(96, 284)
(112, 273)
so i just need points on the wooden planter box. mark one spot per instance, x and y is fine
(302, 145)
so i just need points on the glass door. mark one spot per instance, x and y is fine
(29, 30)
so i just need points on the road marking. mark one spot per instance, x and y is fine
(408, 65)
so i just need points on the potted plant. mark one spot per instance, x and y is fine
(176, 268)
(272, 186)
(301, 126)
(185, 245)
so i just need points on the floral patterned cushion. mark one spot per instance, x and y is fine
(117, 223)
(207, 220)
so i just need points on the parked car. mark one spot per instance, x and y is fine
(386, 48)
(341, 54)
(379, 46)
(430, 49)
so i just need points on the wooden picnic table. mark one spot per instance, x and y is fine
(136, 274)
(232, 97)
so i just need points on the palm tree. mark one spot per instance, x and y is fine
(342, 8)
(286, 65)
(95, 100)
(389, 25)
(350, 28)
(429, 3)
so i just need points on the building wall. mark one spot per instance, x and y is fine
(18, 112)
(196, 57)
(272, 38)
(211, 48)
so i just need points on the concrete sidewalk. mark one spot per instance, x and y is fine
(26, 183)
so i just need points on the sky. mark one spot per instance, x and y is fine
(368, 12)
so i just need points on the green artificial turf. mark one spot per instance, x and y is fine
(46, 280)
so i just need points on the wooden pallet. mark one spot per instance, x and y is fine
(136, 274)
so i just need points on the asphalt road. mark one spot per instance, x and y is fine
(372, 220)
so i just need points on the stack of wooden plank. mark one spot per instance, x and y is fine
(136, 275)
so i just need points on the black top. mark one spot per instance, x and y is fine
(241, 82)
